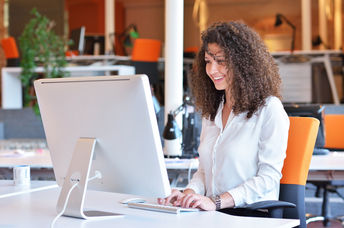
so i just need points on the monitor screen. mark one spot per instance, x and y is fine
(78, 38)
(310, 110)
(118, 112)
(94, 45)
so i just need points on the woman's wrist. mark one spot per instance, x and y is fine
(227, 200)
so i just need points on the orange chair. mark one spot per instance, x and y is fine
(11, 51)
(334, 139)
(302, 135)
(334, 124)
(146, 50)
(145, 57)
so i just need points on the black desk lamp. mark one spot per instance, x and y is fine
(126, 36)
(279, 21)
(291, 58)
(318, 41)
(171, 130)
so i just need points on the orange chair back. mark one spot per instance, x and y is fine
(193, 49)
(302, 135)
(10, 48)
(146, 50)
(334, 125)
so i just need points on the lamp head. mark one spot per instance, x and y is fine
(171, 130)
(317, 41)
(133, 32)
(278, 21)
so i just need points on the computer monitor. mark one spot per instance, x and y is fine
(311, 110)
(112, 117)
(94, 45)
(78, 38)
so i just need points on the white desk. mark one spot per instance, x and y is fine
(115, 58)
(322, 167)
(8, 189)
(11, 88)
(327, 167)
(35, 159)
(37, 209)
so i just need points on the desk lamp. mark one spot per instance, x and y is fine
(172, 133)
(291, 58)
(318, 41)
(279, 21)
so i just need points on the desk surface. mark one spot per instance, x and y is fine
(37, 209)
(41, 158)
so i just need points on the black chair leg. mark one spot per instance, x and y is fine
(326, 207)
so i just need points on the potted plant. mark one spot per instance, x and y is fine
(40, 46)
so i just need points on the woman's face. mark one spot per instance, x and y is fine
(216, 66)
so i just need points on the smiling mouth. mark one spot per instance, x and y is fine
(218, 78)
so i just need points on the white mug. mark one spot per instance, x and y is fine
(21, 175)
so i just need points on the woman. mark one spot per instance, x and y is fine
(244, 136)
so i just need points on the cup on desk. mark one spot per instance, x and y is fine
(21, 175)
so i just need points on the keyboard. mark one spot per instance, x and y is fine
(161, 208)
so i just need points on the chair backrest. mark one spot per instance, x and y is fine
(147, 50)
(145, 57)
(302, 135)
(10, 48)
(334, 124)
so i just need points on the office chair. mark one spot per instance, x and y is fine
(302, 134)
(11, 51)
(334, 123)
(144, 58)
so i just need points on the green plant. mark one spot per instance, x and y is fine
(40, 46)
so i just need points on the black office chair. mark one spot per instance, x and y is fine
(302, 135)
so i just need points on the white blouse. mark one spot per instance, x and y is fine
(244, 158)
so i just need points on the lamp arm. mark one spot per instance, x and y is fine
(294, 32)
(288, 22)
(178, 110)
(293, 41)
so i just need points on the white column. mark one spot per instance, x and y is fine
(109, 25)
(174, 27)
(323, 23)
(337, 24)
(306, 25)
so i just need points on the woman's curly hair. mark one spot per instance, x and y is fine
(255, 73)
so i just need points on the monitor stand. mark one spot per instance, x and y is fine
(78, 171)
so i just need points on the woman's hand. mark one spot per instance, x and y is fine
(196, 201)
(172, 199)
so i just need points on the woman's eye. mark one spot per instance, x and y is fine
(221, 61)
(206, 61)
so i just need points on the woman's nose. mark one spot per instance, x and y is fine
(213, 67)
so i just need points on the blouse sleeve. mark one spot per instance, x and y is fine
(271, 154)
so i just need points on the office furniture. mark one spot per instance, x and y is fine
(301, 140)
(116, 58)
(296, 77)
(37, 209)
(11, 84)
(145, 57)
(21, 124)
(11, 51)
(8, 189)
(334, 124)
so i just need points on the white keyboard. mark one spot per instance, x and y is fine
(161, 208)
